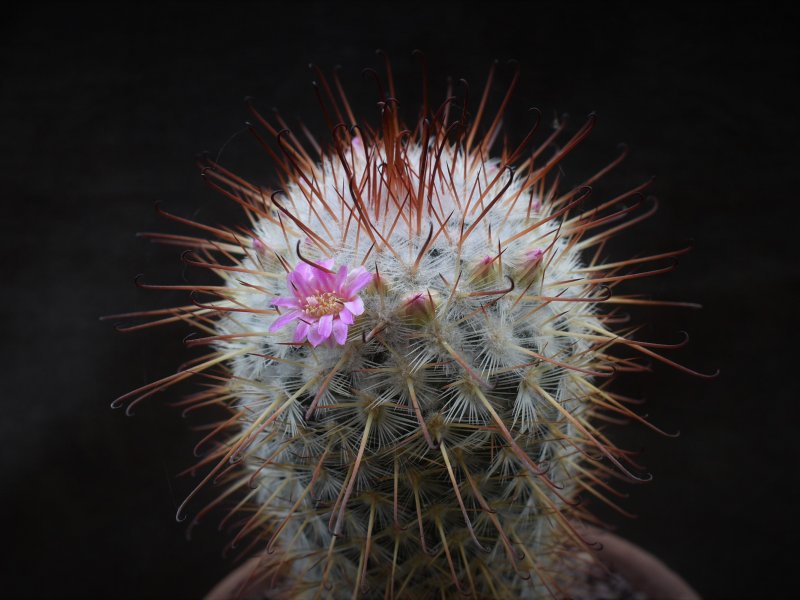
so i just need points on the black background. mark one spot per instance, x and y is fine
(103, 110)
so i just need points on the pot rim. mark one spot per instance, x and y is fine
(644, 572)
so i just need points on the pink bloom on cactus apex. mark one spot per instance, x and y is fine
(534, 255)
(324, 303)
(259, 246)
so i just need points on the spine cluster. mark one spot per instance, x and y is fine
(413, 345)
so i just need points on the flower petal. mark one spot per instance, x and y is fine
(341, 277)
(355, 306)
(323, 280)
(300, 284)
(325, 323)
(314, 336)
(300, 332)
(284, 319)
(346, 316)
(303, 271)
(359, 279)
(339, 332)
(284, 301)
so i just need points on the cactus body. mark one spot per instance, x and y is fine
(413, 356)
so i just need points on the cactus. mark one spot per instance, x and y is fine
(412, 346)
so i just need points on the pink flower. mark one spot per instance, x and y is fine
(324, 303)
(534, 255)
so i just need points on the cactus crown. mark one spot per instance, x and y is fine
(409, 345)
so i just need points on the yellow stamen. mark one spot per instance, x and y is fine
(322, 303)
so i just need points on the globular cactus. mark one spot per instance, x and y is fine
(412, 351)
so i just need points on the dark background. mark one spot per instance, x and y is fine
(103, 109)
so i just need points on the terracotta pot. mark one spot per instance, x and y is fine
(235, 584)
(644, 573)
